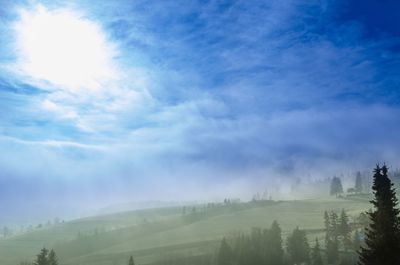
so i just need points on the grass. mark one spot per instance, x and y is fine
(155, 234)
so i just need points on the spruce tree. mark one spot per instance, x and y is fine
(332, 251)
(274, 249)
(382, 242)
(53, 258)
(131, 261)
(256, 246)
(225, 253)
(297, 247)
(345, 229)
(241, 253)
(335, 229)
(336, 186)
(316, 258)
(328, 229)
(42, 257)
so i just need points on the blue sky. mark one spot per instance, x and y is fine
(166, 99)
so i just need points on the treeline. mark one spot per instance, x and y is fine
(380, 244)
(194, 213)
(7, 231)
(45, 257)
(339, 236)
(265, 246)
(260, 247)
(336, 187)
(345, 244)
(49, 257)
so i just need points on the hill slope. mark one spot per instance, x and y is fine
(161, 234)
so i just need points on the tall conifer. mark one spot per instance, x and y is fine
(382, 242)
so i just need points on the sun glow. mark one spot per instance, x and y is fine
(64, 49)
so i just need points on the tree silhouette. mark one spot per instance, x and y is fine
(316, 258)
(332, 251)
(225, 253)
(274, 249)
(41, 258)
(336, 186)
(327, 223)
(335, 229)
(297, 246)
(131, 261)
(383, 234)
(345, 229)
(52, 258)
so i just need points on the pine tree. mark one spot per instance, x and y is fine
(345, 229)
(52, 258)
(336, 186)
(335, 230)
(256, 246)
(316, 258)
(383, 234)
(240, 253)
(358, 185)
(131, 261)
(297, 247)
(328, 229)
(274, 249)
(225, 253)
(42, 257)
(332, 251)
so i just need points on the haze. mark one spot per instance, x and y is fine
(107, 102)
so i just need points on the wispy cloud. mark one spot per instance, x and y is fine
(232, 89)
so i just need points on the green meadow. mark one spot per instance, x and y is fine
(165, 235)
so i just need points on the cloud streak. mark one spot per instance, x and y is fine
(207, 93)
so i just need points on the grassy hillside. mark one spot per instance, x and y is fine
(164, 234)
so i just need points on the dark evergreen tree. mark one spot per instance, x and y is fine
(257, 248)
(316, 257)
(225, 253)
(297, 246)
(344, 230)
(52, 258)
(382, 242)
(327, 223)
(274, 245)
(358, 185)
(262, 246)
(335, 228)
(131, 261)
(42, 257)
(336, 186)
(241, 250)
(332, 251)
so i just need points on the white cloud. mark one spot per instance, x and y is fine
(70, 56)
(53, 143)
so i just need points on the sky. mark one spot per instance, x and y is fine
(111, 101)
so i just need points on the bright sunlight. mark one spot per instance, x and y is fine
(64, 49)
